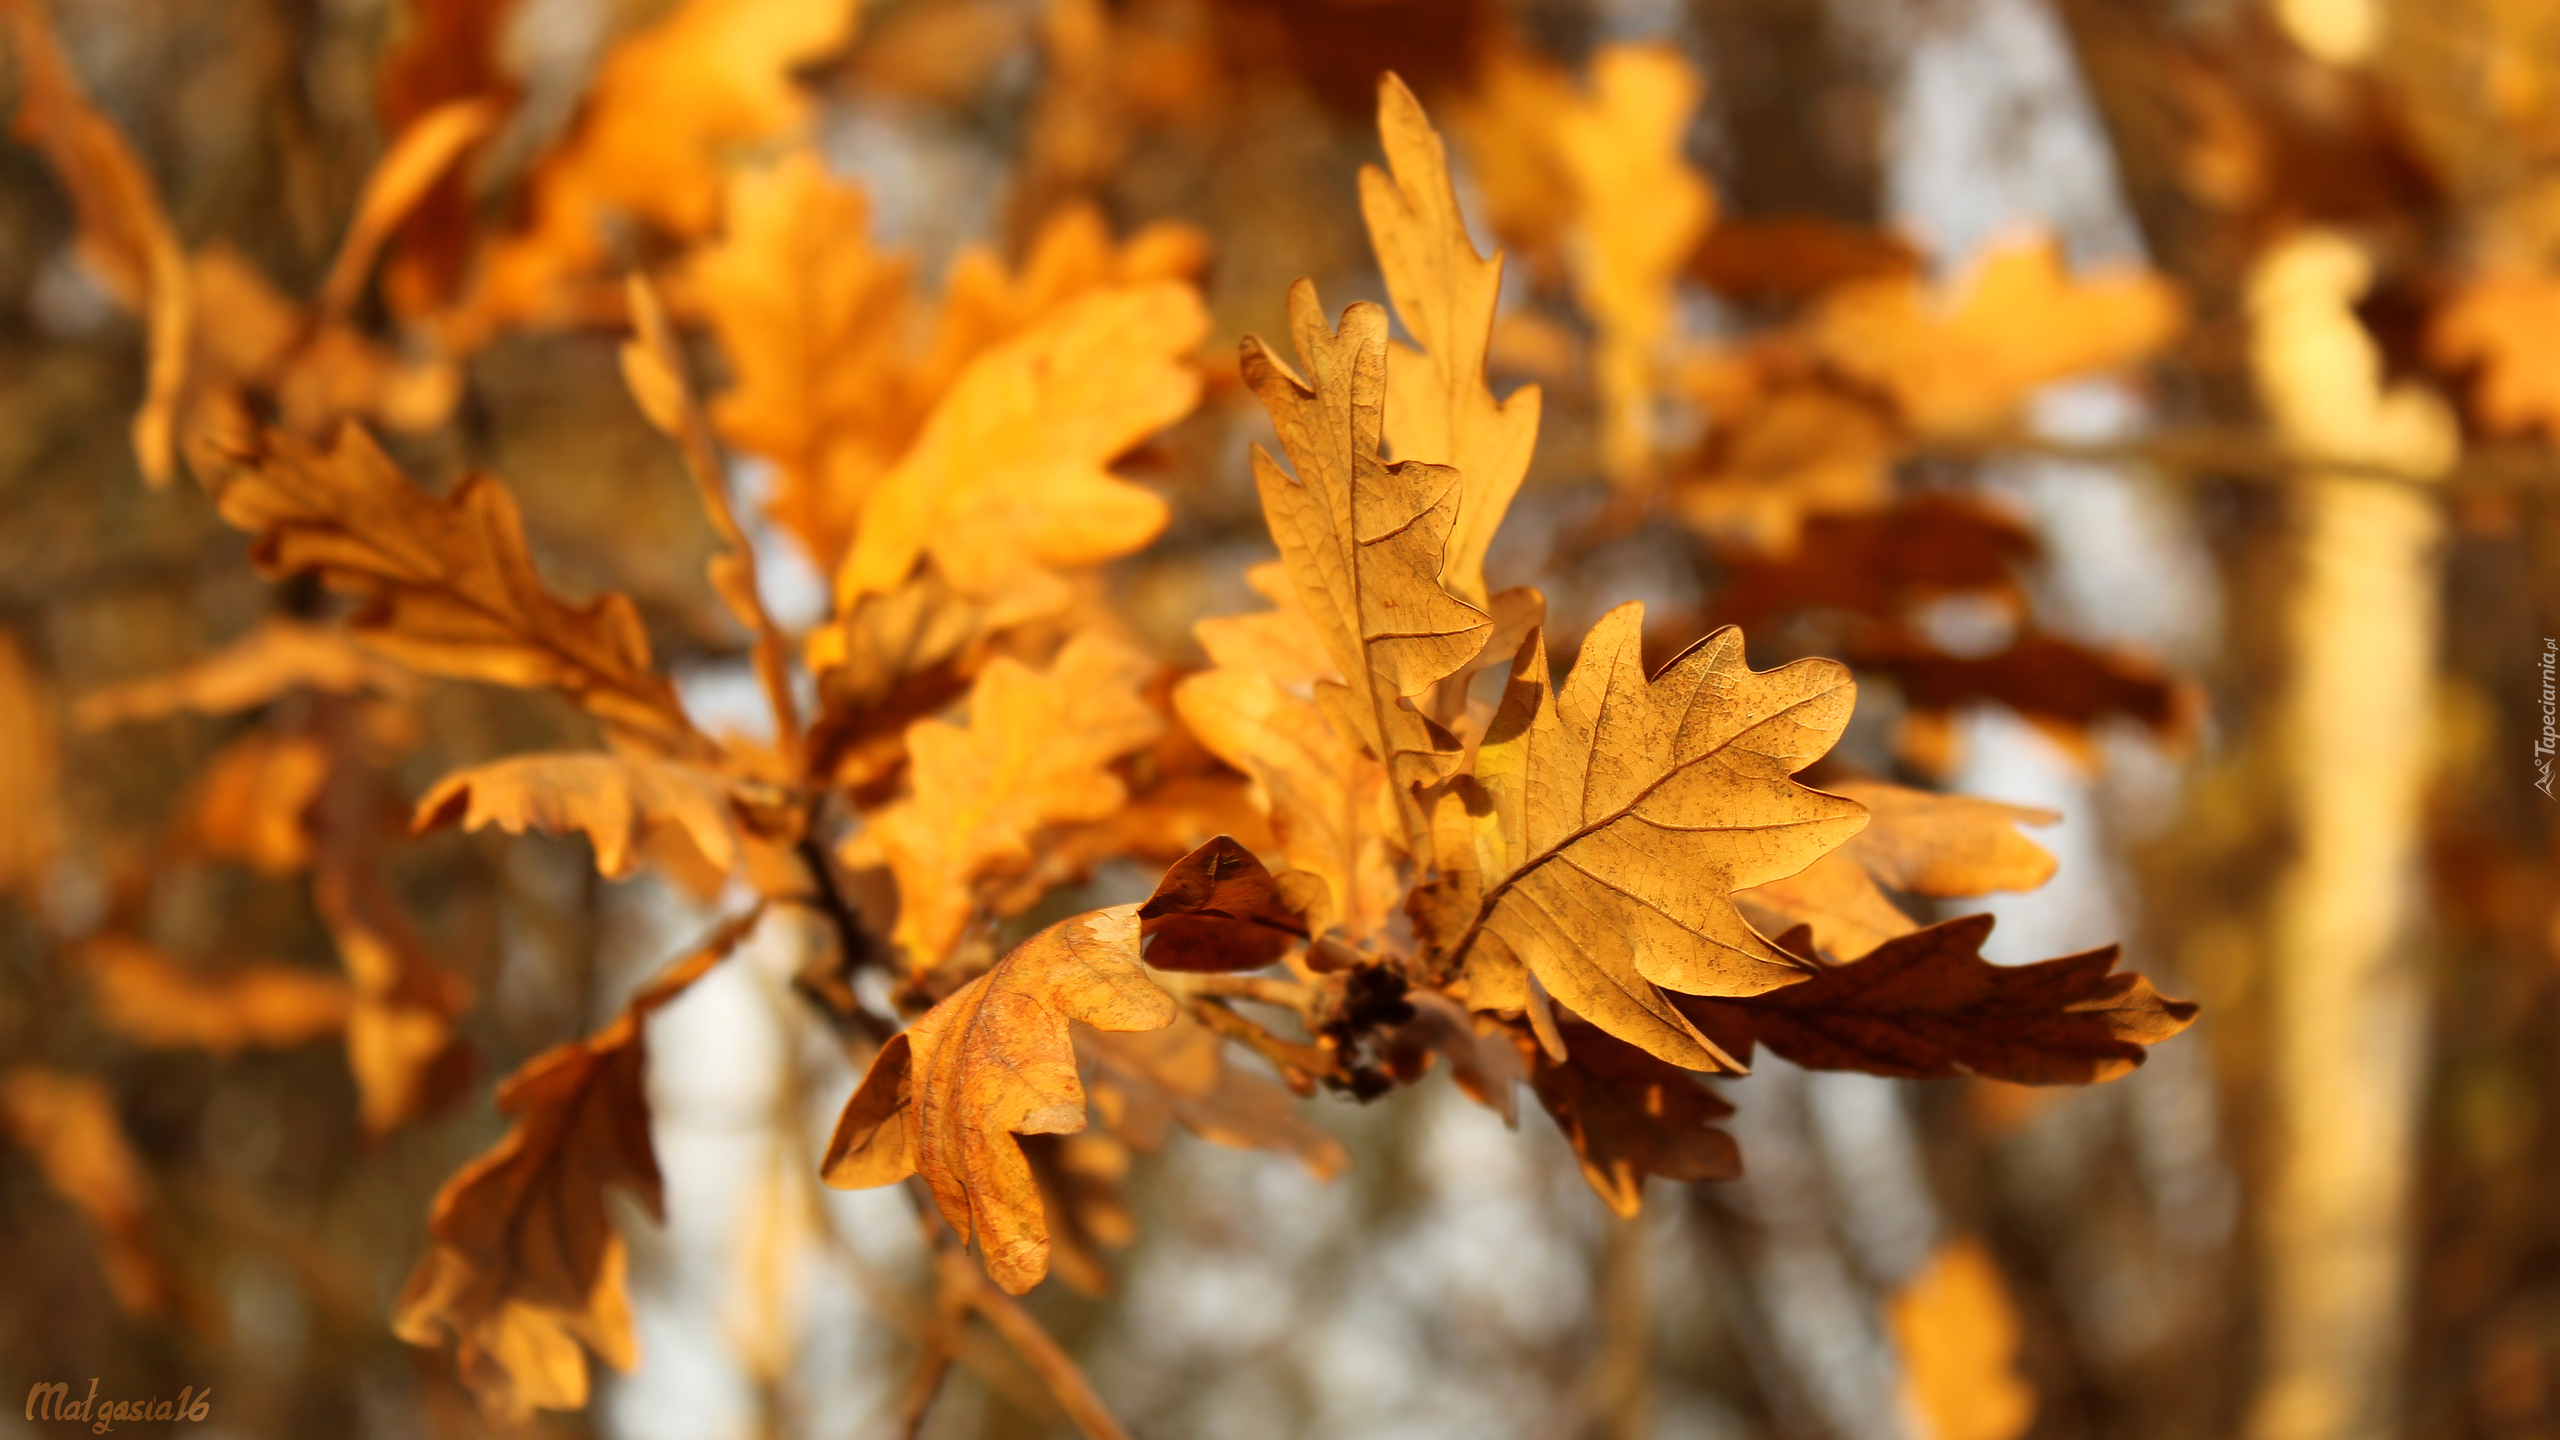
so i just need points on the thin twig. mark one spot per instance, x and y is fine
(1299, 1064)
(963, 1284)
(1289, 995)
(692, 434)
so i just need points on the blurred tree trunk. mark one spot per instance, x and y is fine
(2347, 1003)
(1796, 104)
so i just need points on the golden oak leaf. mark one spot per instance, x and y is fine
(1639, 208)
(946, 1096)
(1507, 125)
(273, 658)
(1961, 364)
(1939, 846)
(153, 1000)
(1143, 1082)
(1034, 754)
(526, 1265)
(1621, 815)
(1958, 1336)
(1217, 908)
(1008, 482)
(2501, 323)
(1927, 1005)
(814, 322)
(630, 808)
(30, 764)
(1365, 542)
(69, 1124)
(1438, 407)
(248, 803)
(1629, 1115)
(1331, 808)
(1072, 255)
(1280, 642)
(125, 237)
(667, 105)
(449, 585)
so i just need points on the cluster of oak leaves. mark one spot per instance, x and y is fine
(1376, 863)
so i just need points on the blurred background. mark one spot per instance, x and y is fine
(2214, 510)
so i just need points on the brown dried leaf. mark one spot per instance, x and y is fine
(1621, 815)
(401, 1042)
(1144, 1082)
(1034, 754)
(1927, 1006)
(1630, 1115)
(1217, 908)
(155, 1001)
(449, 585)
(526, 1265)
(69, 1124)
(945, 1097)
(272, 659)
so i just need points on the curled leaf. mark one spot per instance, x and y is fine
(946, 1096)
(1217, 908)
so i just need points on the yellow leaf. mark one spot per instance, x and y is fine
(946, 1096)
(30, 761)
(69, 1124)
(272, 659)
(1034, 754)
(1629, 810)
(1438, 407)
(1962, 363)
(153, 1000)
(630, 807)
(1009, 483)
(1958, 1334)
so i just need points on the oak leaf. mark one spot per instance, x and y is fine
(68, 1123)
(630, 807)
(526, 1265)
(1958, 1336)
(1438, 406)
(1629, 1115)
(449, 584)
(1008, 481)
(402, 1046)
(2500, 324)
(1938, 846)
(1142, 1082)
(945, 1097)
(1960, 364)
(666, 106)
(1927, 1006)
(153, 1000)
(1365, 542)
(1639, 209)
(1032, 755)
(1620, 815)
(1218, 908)
(273, 658)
